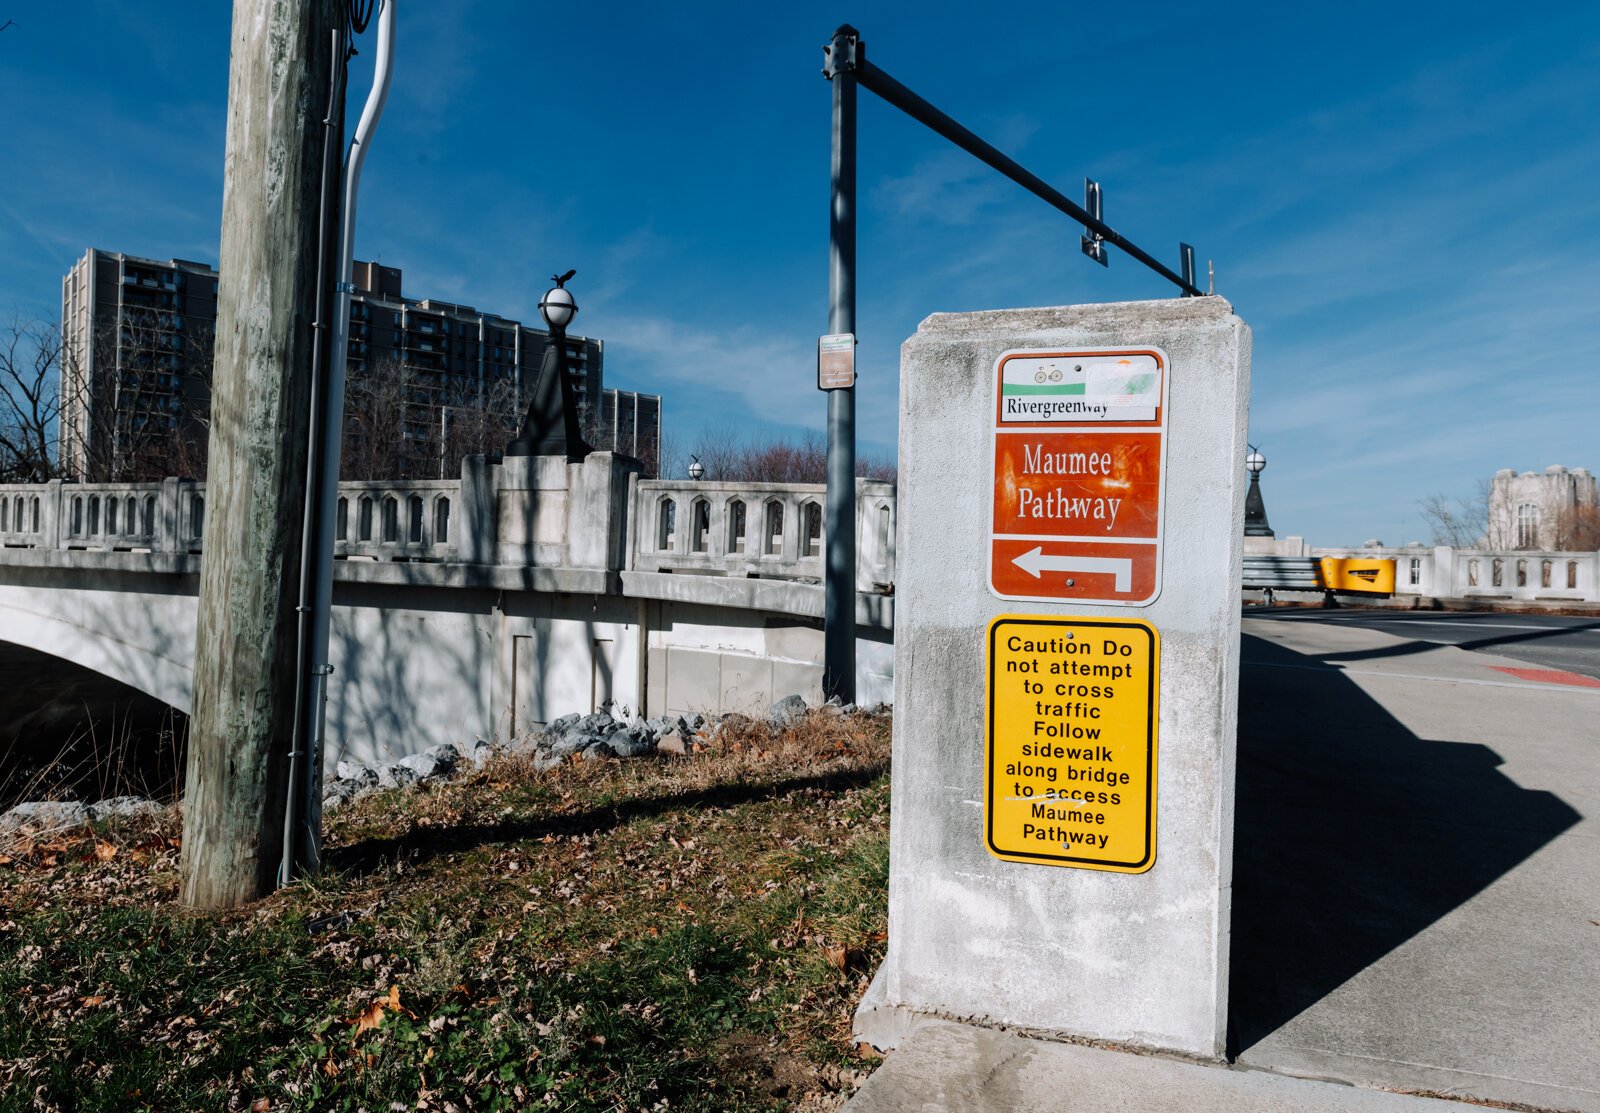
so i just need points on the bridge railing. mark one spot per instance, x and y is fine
(397, 520)
(162, 517)
(755, 529)
(23, 517)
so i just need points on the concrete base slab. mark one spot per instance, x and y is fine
(947, 1066)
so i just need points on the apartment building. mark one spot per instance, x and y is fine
(135, 363)
(449, 375)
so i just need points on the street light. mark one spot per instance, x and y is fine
(1255, 509)
(550, 427)
(696, 469)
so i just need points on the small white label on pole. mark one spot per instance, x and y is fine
(836, 361)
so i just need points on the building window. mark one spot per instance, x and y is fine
(391, 519)
(736, 526)
(1499, 573)
(1527, 526)
(341, 519)
(1546, 569)
(1522, 573)
(1416, 571)
(1572, 575)
(364, 519)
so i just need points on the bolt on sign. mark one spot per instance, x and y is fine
(1071, 751)
(1079, 472)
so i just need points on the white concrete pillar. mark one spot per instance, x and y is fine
(1134, 957)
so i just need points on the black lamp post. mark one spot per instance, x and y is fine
(550, 427)
(1255, 510)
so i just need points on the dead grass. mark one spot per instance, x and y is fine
(683, 933)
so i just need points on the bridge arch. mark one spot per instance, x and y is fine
(145, 642)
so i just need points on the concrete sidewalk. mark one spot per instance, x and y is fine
(1416, 897)
(944, 1067)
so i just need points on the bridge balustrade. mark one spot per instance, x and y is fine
(766, 530)
(396, 520)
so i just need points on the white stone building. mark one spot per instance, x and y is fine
(1538, 510)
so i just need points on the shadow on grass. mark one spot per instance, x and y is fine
(425, 844)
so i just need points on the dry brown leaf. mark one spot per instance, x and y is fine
(104, 850)
(330, 1068)
(91, 1002)
(836, 956)
(372, 1016)
(261, 1105)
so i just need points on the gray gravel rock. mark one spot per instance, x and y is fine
(45, 815)
(563, 724)
(787, 710)
(434, 762)
(626, 744)
(599, 725)
(572, 743)
(124, 807)
(338, 793)
(358, 771)
(396, 774)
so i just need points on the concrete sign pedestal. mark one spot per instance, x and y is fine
(1131, 957)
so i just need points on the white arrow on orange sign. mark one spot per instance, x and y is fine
(1033, 562)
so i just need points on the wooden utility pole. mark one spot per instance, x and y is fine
(244, 666)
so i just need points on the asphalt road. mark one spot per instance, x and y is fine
(1544, 641)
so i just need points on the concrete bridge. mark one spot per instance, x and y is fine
(481, 606)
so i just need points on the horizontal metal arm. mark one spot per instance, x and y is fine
(874, 79)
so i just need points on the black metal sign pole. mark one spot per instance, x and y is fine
(920, 110)
(847, 65)
(839, 526)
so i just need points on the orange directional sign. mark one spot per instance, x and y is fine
(1079, 469)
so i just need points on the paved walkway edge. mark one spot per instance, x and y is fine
(944, 1066)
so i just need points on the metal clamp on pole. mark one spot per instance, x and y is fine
(1094, 244)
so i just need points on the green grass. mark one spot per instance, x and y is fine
(688, 935)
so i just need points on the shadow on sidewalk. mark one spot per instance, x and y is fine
(1352, 835)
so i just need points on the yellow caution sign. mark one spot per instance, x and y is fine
(1353, 574)
(1071, 753)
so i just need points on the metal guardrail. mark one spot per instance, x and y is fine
(1279, 573)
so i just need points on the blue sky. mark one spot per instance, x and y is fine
(1400, 199)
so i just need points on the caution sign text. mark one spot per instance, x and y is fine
(1071, 752)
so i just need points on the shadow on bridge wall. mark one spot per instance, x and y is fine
(409, 670)
(1352, 835)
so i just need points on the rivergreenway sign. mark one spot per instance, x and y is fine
(1071, 753)
(1079, 471)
